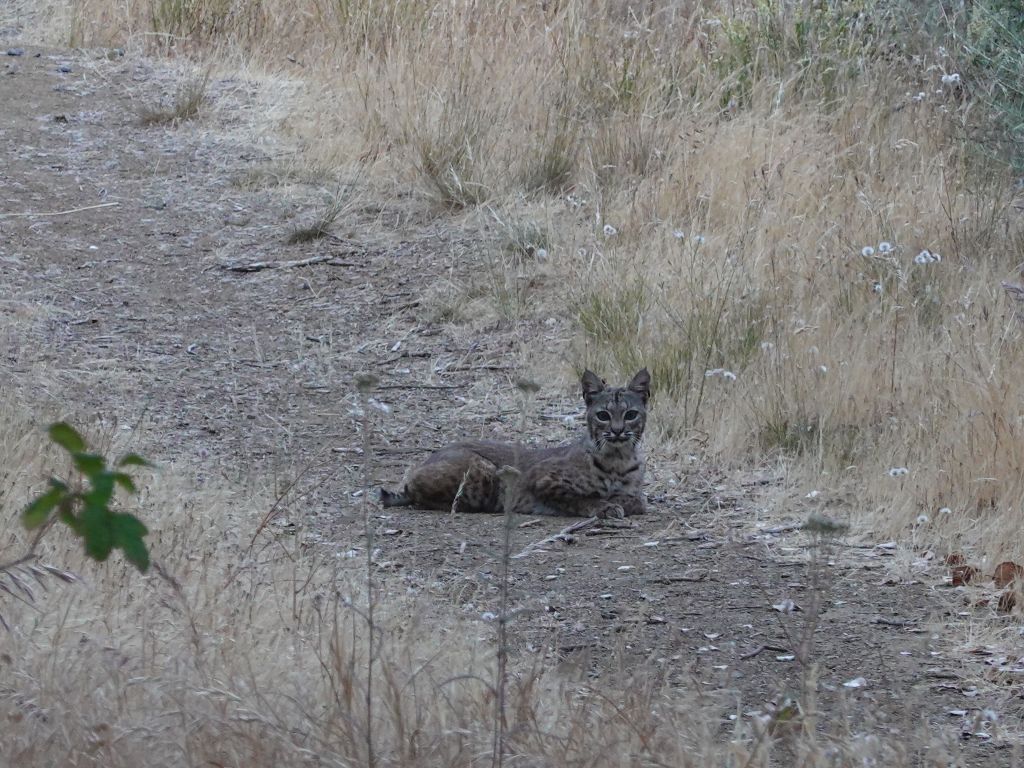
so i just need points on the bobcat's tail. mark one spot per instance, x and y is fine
(392, 499)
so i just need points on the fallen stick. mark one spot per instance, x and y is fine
(58, 213)
(422, 386)
(562, 535)
(259, 266)
(699, 576)
(762, 649)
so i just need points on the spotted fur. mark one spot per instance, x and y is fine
(601, 475)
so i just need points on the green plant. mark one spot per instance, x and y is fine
(816, 47)
(994, 43)
(86, 507)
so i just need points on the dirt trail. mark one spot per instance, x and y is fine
(127, 310)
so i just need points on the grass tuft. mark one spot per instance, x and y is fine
(336, 203)
(188, 101)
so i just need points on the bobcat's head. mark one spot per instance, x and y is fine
(616, 416)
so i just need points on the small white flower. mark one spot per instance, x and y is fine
(857, 682)
(867, 250)
(767, 346)
(678, 234)
(922, 519)
(727, 375)
(813, 495)
(488, 616)
(945, 511)
(898, 472)
(942, 51)
(924, 257)
(822, 369)
(920, 96)
(610, 231)
(541, 254)
(936, 257)
(885, 247)
(951, 79)
(876, 287)
(699, 239)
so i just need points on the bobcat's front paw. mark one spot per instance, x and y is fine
(611, 512)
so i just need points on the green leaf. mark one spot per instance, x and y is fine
(101, 492)
(128, 532)
(96, 530)
(38, 511)
(133, 460)
(65, 436)
(125, 481)
(89, 463)
(67, 517)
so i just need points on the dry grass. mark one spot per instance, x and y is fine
(709, 177)
(188, 100)
(228, 654)
(342, 199)
(779, 145)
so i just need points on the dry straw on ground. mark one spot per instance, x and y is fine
(747, 200)
(237, 655)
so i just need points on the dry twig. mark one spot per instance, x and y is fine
(258, 266)
(562, 535)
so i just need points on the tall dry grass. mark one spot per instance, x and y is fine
(230, 655)
(711, 174)
(703, 179)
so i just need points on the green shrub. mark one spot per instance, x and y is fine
(86, 507)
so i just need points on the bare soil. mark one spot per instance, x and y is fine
(119, 311)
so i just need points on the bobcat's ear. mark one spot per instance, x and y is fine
(592, 385)
(641, 384)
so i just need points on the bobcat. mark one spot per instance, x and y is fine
(600, 476)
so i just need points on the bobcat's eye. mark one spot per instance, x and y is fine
(603, 416)
(632, 415)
